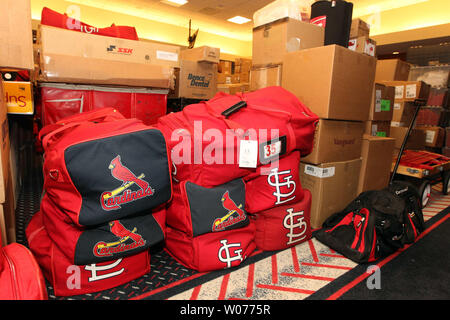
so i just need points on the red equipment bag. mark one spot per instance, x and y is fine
(204, 138)
(284, 226)
(56, 19)
(211, 251)
(115, 239)
(99, 167)
(68, 279)
(197, 210)
(58, 101)
(274, 184)
(20, 275)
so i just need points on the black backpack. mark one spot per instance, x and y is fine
(375, 224)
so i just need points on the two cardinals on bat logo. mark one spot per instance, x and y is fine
(112, 200)
(234, 215)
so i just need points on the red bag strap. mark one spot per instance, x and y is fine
(46, 139)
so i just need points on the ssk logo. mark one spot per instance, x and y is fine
(112, 200)
(227, 258)
(121, 50)
(294, 222)
(273, 179)
(234, 215)
(107, 249)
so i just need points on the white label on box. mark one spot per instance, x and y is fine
(430, 136)
(369, 48)
(319, 172)
(377, 100)
(228, 80)
(165, 55)
(411, 91)
(352, 44)
(248, 153)
(399, 92)
(397, 106)
(374, 129)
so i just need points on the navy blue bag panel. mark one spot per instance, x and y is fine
(217, 209)
(119, 176)
(117, 239)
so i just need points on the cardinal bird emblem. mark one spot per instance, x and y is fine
(111, 200)
(230, 218)
(102, 248)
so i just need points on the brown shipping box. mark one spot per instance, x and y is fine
(403, 114)
(196, 80)
(265, 76)
(378, 128)
(16, 50)
(376, 155)
(392, 70)
(416, 139)
(333, 81)
(363, 45)
(201, 54)
(409, 90)
(332, 185)
(273, 40)
(359, 28)
(336, 140)
(434, 136)
(382, 106)
(77, 57)
(233, 88)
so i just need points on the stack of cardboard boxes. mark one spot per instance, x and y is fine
(234, 76)
(16, 53)
(196, 76)
(359, 38)
(337, 84)
(272, 41)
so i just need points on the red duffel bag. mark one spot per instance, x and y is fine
(99, 167)
(112, 240)
(197, 210)
(205, 138)
(284, 226)
(20, 275)
(68, 279)
(211, 251)
(274, 184)
(56, 19)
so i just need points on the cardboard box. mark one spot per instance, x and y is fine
(363, 45)
(18, 97)
(243, 64)
(333, 81)
(197, 80)
(434, 136)
(336, 140)
(265, 76)
(233, 88)
(416, 140)
(16, 50)
(409, 90)
(333, 186)
(382, 104)
(392, 70)
(359, 28)
(403, 114)
(273, 40)
(226, 67)
(77, 57)
(376, 155)
(378, 128)
(201, 54)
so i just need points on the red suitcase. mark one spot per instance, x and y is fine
(58, 101)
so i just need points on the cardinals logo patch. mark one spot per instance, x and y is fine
(105, 249)
(112, 200)
(234, 215)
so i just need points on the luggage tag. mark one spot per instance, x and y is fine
(248, 153)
